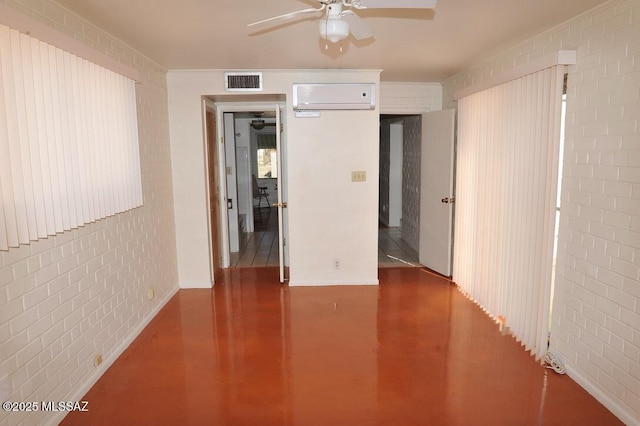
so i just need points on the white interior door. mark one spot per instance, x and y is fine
(281, 204)
(436, 191)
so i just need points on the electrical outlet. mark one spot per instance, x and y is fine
(5, 388)
(150, 294)
(336, 264)
(359, 176)
(97, 360)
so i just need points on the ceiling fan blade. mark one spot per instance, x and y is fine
(288, 16)
(359, 30)
(394, 4)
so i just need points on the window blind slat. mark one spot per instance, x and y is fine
(80, 139)
(42, 144)
(13, 185)
(68, 143)
(29, 218)
(32, 135)
(72, 155)
(49, 91)
(9, 229)
(134, 152)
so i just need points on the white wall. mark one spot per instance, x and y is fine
(330, 218)
(68, 298)
(391, 168)
(243, 163)
(596, 314)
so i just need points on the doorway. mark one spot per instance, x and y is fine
(252, 175)
(399, 188)
(247, 160)
(417, 159)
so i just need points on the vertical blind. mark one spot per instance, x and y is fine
(267, 141)
(506, 184)
(69, 150)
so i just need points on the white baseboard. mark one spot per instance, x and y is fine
(196, 284)
(624, 415)
(79, 393)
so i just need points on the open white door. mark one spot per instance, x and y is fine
(280, 204)
(436, 191)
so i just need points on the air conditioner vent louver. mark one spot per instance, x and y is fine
(243, 81)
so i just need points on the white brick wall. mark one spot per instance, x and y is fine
(67, 298)
(596, 313)
(410, 98)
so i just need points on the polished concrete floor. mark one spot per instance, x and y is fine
(412, 351)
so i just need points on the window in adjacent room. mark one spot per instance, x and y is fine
(266, 156)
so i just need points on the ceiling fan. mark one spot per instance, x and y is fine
(341, 18)
(258, 122)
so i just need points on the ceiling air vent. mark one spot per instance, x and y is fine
(243, 81)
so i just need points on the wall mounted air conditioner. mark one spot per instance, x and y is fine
(334, 96)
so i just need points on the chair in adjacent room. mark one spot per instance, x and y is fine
(259, 193)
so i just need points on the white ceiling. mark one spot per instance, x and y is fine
(409, 45)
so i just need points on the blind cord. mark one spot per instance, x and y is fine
(553, 363)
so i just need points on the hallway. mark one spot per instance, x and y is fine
(412, 351)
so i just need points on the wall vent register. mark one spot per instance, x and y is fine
(243, 81)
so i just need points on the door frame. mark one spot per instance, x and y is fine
(221, 108)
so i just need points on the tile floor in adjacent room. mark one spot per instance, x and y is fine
(411, 351)
(260, 248)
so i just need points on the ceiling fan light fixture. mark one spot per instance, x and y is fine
(258, 124)
(334, 30)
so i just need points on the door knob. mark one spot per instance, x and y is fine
(448, 200)
(283, 204)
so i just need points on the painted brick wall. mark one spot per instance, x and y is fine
(410, 98)
(596, 312)
(67, 298)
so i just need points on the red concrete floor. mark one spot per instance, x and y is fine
(412, 351)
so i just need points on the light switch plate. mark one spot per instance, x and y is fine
(359, 176)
